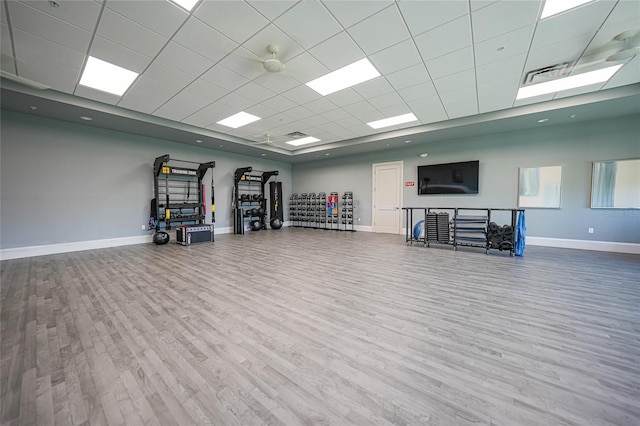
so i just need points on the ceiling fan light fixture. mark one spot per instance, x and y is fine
(273, 65)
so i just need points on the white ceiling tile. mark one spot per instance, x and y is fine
(466, 78)
(119, 55)
(578, 91)
(29, 44)
(337, 52)
(344, 97)
(308, 23)
(278, 104)
(305, 68)
(502, 17)
(167, 74)
(204, 40)
(422, 16)
(184, 59)
(52, 74)
(408, 77)
(273, 8)
(181, 106)
(235, 19)
(495, 96)
(395, 58)
(3, 17)
(7, 64)
(419, 91)
(395, 110)
(147, 94)
(209, 115)
(96, 95)
(628, 74)
(300, 112)
(320, 105)
(255, 92)
(369, 37)
(46, 26)
(277, 82)
(236, 101)
(460, 103)
(336, 114)
(572, 23)
(287, 48)
(479, 4)
(316, 120)
(503, 46)
(364, 111)
(508, 70)
(224, 78)
(163, 17)
(348, 122)
(376, 87)
(445, 39)
(428, 110)
(244, 63)
(564, 51)
(83, 14)
(301, 95)
(624, 11)
(451, 63)
(126, 32)
(352, 12)
(260, 110)
(206, 89)
(387, 100)
(604, 38)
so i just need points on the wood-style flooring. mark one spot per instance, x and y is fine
(320, 327)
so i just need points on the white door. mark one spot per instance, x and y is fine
(387, 197)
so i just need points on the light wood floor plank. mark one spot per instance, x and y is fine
(318, 327)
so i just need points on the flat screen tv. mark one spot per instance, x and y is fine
(449, 178)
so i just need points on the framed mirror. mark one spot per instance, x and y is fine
(540, 187)
(615, 184)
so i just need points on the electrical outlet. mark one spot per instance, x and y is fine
(144, 227)
(358, 219)
(591, 230)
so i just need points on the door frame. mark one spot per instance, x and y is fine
(400, 189)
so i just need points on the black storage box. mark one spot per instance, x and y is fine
(191, 234)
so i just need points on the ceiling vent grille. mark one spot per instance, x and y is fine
(296, 135)
(548, 73)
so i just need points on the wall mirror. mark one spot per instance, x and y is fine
(616, 184)
(539, 187)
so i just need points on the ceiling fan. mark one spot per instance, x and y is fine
(273, 64)
(266, 141)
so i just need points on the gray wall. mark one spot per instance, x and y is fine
(63, 182)
(572, 146)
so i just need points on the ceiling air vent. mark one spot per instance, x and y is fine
(548, 73)
(296, 135)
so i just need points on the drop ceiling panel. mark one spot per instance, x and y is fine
(235, 19)
(362, 109)
(445, 39)
(503, 17)
(348, 122)
(261, 111)
(184, 59)
(162, 17)
(271, 9)
(372, 88)
(461, 102)
(624, 11)
(455, 81)
(255, 92)
(628, 74)
(52, 74)
(244, 63)
(181, 106)
(167, 74)
(419, 91)
(451, 63)
(236, 101)
(422, 16)
(96, 95)
(336, 114)
(314, 120)
(319, 105)
(224, 78)
(29, 44)
(508, 70)
(300, 113)
(604, 38)
(504, 46)
(495, 96)
(207, 116)
(46, 26)
(395, 58)
(428, 110)
(308, 23)
(578, 91)
(208, 89)
(337, 52)
(305, 68)
(119, 55)
(288, 48)
(344, 97)
(277, 82)
(369, 37)
(301, 95)
(408, 77)
(568, 25)
(204, 40)
(125, 32)
(278, 104)
(349, 13)
(395, 110)
(147, 94)
(83, 14)
(564, 51)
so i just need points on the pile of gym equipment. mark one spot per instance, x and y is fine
(319, 211)
(250, 200)
(180, 199)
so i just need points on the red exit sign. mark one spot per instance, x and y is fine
(409, 183)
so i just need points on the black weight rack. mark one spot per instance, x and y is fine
(249, 197)
(178, 192)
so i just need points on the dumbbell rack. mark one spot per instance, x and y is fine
(249, 200)
(346, 217)
(320, 210)
(333, 216)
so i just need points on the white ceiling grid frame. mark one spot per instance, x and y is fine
(349, 13)
(457, 102)
(338, 51)
(209, 115)
(422, 16)
(418, 91)
(368, 36)
(199, 37)
(183, 59)
(244, 62)
(52, 74)
(237, 20)
(503, 17)
(397, 57)
(182, 105)
(81, 14)
(445, 39)
(165, 18)
(34, 45)
(345, 97)
(125, 32)
(218, 73)
(308, 23)
(114, 53)
(7, 63)
(504, 46)
(147, 94)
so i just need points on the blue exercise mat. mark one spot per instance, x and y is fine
(521, 232)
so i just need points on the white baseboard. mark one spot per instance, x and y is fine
(227, 230)
(585, 244)
(364, 228)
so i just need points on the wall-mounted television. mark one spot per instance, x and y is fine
(449, 178)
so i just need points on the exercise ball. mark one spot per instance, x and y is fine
(255, 225)
(160, 238)
(275, 223)
(418, 230)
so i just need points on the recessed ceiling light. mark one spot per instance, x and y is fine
(423, 155)
(543, 120)
(572, 116)
(264, 155)
(199, 140)
(220, 146)
(327, 154)
(303, 141)
(566, 83)
(553, 7)
(407, 141)
(186, 4)
(107, 77)
(85, 118)
(238, 120)
(33, 107)
(398, 119)
(344, 77)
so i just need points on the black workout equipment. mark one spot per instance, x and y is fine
(255, 225)
(244, 197)
(252, 184)
(275, 223)
(254, 212)
(160, 238)
(261, 211)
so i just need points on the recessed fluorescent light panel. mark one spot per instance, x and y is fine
(187, 4)
(238, 120)
(303, 141)
(566, 83)
(348, 76)
(391, 121)
(553, 7)
(107, 77)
